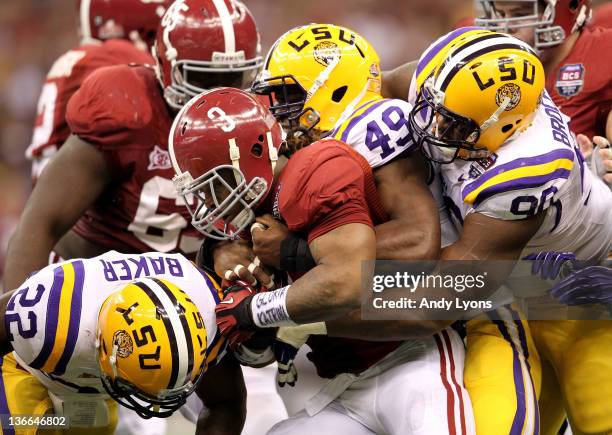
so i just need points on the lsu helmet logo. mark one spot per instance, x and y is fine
(326, 52)
(124, 343)
(511, 91)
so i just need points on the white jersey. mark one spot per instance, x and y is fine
(52, 318)
(538, 170)
(378, 130)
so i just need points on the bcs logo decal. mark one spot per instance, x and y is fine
(159, 159)
(570, 80)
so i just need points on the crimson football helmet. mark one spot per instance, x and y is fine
(202, 44)
(135, 20)
(553, 20)
(224, 146)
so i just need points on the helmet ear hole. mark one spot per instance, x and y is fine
(506, 128)
(339, 94)
(257, 150)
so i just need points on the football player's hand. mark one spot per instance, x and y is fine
(591, 285)
(236, 261)
(549, 264)
(233, 313)
(267, 238)
(288, 341)
(601, 164)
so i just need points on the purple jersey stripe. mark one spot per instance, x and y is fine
(335, 130)
(521, 183)
(4, 408)
(514, 164)
(211, 286)
(52, 316)
(440, 45)
(356, 120)
(521, 409)
(75, 318)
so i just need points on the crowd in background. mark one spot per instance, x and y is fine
(33, 33)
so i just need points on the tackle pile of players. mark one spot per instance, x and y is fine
(201, 212)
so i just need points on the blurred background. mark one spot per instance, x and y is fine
(33, 33)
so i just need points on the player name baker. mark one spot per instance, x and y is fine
(431, 304)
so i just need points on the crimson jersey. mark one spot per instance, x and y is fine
(581, 85)
(324, 186)
(64, 79)
(120, 110)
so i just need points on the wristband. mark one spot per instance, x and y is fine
(269, 309)
(295, 254)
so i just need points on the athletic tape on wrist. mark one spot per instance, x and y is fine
(269, 309)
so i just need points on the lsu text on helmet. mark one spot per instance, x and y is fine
(316, 75)
(552, 20)
(202, 44)
(224, 147)
(485, 89)
(135, 20)
(151, 347)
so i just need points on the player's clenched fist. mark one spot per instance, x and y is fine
(234, 318)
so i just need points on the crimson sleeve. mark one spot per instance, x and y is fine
(324, 189)
(109, 111)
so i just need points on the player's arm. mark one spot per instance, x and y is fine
(396, 83)
(333, 287)
(487, 238)
(411, 233)
(223, 394)
(5, 344)
(69, 185)
(413, 229)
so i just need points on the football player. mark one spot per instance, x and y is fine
(111, 182)
(112, 32)
(510, 164)
(226, 150)
(577, 80)
(139, 329)
(111, 186)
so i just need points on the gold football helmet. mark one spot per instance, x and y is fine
(151, 346)
(316, 75)
(484, 90)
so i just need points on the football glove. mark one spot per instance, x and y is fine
(591, 285)
(234, 318)
(548, 264)
(288, 341)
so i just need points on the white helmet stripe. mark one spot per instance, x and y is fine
(179, 332)
(227, 25)
(453, 61)
(84, 15)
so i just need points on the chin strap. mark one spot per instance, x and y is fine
(234, 153)
(272, 151)
(495, 117)
(322, 78)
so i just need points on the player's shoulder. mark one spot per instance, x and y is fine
(316, 158)
(113, 98)
(595, 38)
(522, 177)
(319, 177)
(378, 130)
(34, 311)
